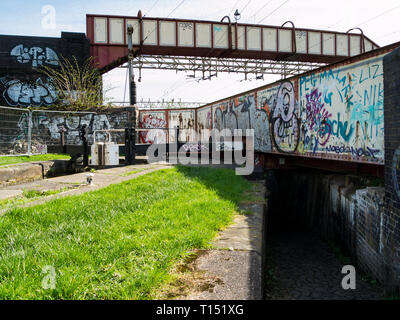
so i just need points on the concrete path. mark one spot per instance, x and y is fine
(76, 183)
(233, 270)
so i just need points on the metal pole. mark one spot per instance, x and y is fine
(130, 130)
(29, 132)
(132, 86)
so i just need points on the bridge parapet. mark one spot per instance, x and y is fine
(183, 37)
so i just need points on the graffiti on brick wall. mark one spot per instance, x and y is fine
(36, 56)
(284, 120)
(48, 128)
(185, 120)
(369, 217)
(204, 123)
(194, 147)
(342, 111)
(152, 120)
(220, 114)
(242, 113)
(17, 93)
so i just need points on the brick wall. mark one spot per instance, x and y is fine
(22, 83)
(391, 219)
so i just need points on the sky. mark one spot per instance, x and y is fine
(378, 20)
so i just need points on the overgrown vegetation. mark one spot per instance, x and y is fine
(40, 157)
(118, 242)
(79, 86)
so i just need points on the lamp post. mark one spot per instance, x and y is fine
(237, 15)
(130, 133)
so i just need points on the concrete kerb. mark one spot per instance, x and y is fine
(31, 171)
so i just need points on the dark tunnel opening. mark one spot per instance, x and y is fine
(307, 242)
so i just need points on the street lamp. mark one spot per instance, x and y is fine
(237, 15)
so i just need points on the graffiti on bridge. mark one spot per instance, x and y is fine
(284, 121)
(194, 147)
(242, 113)
(342, 108)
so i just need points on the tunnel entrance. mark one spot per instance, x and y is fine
(307, 243)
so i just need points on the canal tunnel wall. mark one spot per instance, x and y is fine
(346, 211)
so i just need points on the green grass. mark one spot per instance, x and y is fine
(41, 157)
(119, 242)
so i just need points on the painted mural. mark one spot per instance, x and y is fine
(242, 113)
(22, 84)
(218, 117)
(284, 120)
(335, 113)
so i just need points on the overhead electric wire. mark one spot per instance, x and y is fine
(259, 10)
(241, 12)
(379, 15)
(152, 7)
(270, 14)
(176, 8)
(126, 81)
(235, 6)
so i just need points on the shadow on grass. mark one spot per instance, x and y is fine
(240, 192)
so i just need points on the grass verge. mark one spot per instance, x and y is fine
(40, 157)
(118, 242)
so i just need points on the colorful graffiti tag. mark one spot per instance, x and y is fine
(342, 109)
(152, 120)
(336, 112)
(284, 121)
